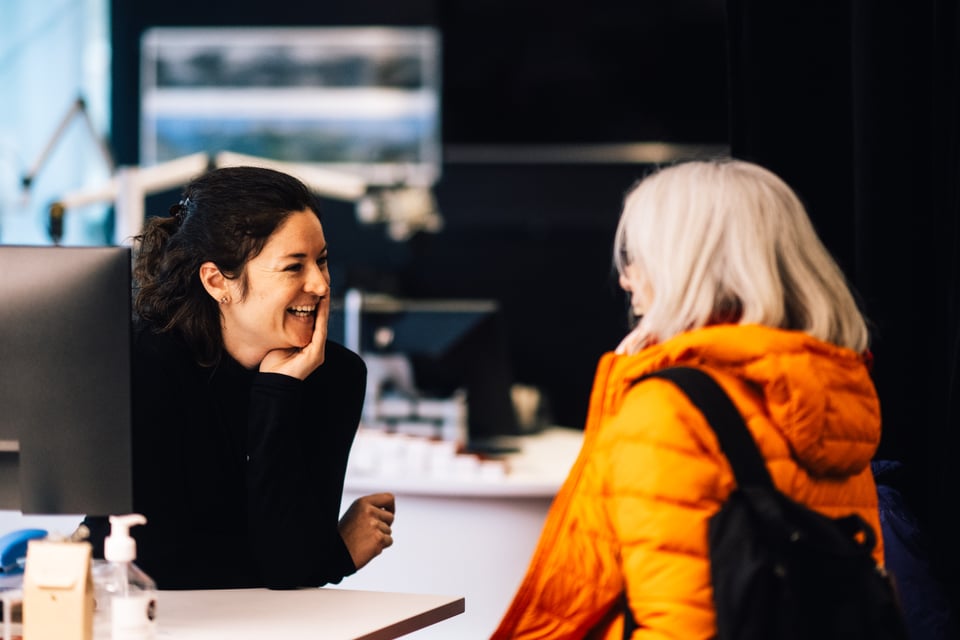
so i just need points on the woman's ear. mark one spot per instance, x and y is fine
(214, 282)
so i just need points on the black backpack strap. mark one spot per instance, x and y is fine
(735, 438)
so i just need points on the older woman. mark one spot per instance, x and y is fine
(724, 272)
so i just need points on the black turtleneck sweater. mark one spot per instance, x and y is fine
(239, 473)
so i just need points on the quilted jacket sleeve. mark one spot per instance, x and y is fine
(659, 484)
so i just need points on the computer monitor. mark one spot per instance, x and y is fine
(451, 345)
(65, 379)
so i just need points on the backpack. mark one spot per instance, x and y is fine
(779, 569)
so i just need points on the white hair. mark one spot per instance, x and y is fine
(729, 241)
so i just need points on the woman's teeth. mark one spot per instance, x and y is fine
(303, 311)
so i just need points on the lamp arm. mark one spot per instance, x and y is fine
(78, 107)
(326, 182)
(127, 189)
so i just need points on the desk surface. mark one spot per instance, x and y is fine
(303, 614)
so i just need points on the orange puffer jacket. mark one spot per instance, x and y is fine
(633, 511)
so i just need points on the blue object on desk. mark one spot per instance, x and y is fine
(13, 549)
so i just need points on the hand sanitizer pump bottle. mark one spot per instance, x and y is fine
(130, 608)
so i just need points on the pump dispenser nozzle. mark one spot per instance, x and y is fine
(119, 546)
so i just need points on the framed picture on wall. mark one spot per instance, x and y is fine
(363, 100)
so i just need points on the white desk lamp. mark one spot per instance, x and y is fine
(127, 189)
(404, 209)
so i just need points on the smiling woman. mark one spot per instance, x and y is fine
(286, 289)
(243, 412)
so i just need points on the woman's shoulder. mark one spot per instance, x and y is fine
(343, 360)
(342, 375)
(151, 344)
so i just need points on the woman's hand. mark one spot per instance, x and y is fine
(299, 363)
(366, 527)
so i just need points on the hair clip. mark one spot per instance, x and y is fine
(179, 210)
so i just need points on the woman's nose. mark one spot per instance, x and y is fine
(318, 281)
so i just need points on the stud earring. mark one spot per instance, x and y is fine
(224, 300)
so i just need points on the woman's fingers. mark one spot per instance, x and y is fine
(366, 527)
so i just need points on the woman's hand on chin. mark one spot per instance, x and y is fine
(293, 362)
(301, 362)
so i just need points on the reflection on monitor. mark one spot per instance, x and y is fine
(362, 100)
(65, 379)
(451, 345)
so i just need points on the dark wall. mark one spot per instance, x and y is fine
(857, 105)
(545, 72)
(535, 236)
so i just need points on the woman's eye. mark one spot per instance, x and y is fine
(322, 261)
(294, 267)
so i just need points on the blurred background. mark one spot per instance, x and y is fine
(544, 115)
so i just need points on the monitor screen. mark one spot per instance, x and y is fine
(65, 379)
(451, 345)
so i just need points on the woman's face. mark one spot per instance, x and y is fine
(285, 284)
(635, 283)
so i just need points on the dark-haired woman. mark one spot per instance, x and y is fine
(243, 412)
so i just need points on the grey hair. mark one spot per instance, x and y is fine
(728, 241)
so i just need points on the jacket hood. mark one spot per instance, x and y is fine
(818, 395)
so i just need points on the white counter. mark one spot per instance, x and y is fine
(409, 467)
(471, 535)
